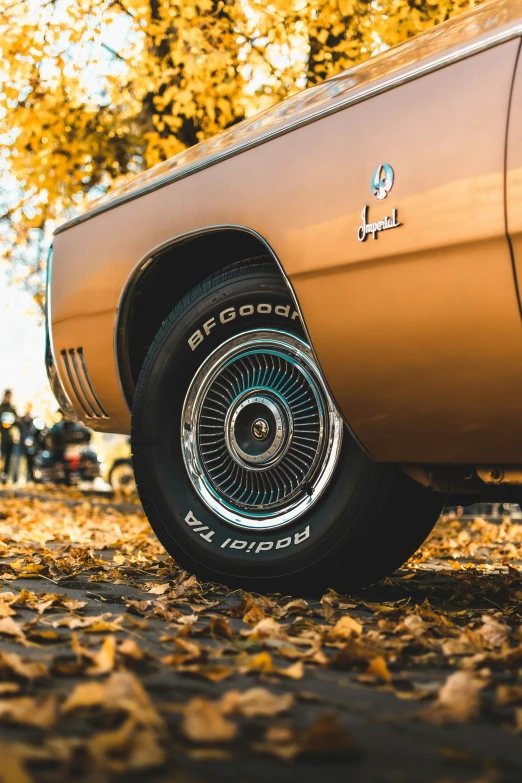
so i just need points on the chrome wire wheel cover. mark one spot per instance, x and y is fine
(260, 434)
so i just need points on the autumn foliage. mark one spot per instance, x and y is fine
(95, 90)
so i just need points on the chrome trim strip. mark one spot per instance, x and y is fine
(144, 263)
(70, 370)
(87, 378)
(78, 374)
(78, 377)
(394, 81)
(52, 365)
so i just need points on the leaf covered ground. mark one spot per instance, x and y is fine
(117, 665)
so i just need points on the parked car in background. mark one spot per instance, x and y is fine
(311, 324)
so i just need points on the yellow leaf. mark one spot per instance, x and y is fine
(378, 668)
(257, 702)
(86, 694)
(103, 660)
(29, 712)
(346, 627)
(204, 721)
(10, 628)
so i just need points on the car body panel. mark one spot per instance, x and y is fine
(416, 331)
(405, 325)
(514, 175)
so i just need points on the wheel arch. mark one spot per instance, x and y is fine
(164, 275)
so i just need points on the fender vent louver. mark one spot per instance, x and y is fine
(78, 375)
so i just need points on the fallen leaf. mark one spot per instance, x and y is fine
(457, 701)
(204, 721)
(24, 568)
(127, 748)
(354, 652)
(253, 616)
(280, 742)
(8, 687)
(219, 626)
(346, 627)
(159, 589)
(378, 668)
(27, 670)
(130, 649)
(262, 662)
(41, 635)
(518, 719)
(256, 702)
(466, 644)
(294, 672)
(85, 695)
(121, 691)
(414, 624)
(99, 624)
(124, 691)
(509, 694)
(207, 671)
(328, 603)
(103, 661)
(12, 768)
(29, 712)
(209, 754)
(10, 628)
(264, 629)
(327, 736)
(73, 605)
(494, 633)
(295, 606)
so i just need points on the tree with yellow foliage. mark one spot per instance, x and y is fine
(95, 90)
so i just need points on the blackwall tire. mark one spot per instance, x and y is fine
(344, 522)
(121, 477)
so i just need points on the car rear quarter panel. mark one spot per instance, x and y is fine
(418, 332)
(514, 174)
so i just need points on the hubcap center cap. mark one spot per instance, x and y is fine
(260, 429)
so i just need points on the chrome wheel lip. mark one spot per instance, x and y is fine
(298, 351)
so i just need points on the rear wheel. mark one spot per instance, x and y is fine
(244, 467)
(121, 476)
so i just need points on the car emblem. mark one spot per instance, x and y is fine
(382, 181)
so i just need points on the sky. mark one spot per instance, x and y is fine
(22, 342)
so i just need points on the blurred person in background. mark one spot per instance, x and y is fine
(25, 448)
(8, 431)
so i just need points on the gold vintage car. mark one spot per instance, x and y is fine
(314, 318)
